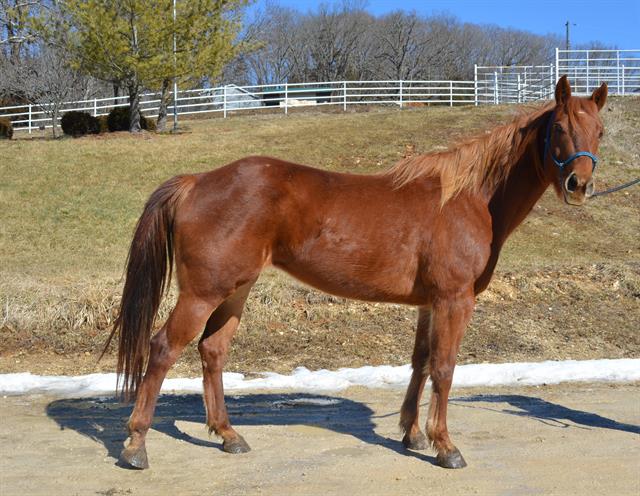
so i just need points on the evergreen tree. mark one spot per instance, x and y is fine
(131, 41)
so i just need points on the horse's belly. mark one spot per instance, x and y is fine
(394, 284)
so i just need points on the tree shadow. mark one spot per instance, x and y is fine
(546, 412)
(104, 419)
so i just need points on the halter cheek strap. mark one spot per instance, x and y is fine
(563, 163)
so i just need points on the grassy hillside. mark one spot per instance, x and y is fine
(568, 283)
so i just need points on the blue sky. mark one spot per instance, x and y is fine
(613, 22)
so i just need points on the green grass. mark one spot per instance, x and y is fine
(69, 206)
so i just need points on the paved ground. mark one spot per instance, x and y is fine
(577, 439)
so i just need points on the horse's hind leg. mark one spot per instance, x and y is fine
(413, 436)
(214, 347)
(449, 320)
(185, 322)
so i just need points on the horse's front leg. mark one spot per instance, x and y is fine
(451, 314)
(413, 436)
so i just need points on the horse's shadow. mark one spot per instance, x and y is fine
(103, 419)
(546, 412)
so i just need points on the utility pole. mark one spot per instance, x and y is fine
(175, 70)
(567, 43)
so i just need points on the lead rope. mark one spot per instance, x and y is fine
(617, 188)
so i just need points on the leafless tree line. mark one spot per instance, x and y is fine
(347, 42)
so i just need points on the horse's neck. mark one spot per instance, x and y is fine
(512, 202)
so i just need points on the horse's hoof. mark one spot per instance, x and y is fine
(452, 459)
(236, 445)
(416, 442)
(135, 458)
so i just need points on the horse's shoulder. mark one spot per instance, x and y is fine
(461, 241)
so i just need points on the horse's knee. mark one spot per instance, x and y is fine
(441, 374)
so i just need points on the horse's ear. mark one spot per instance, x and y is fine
(600, 95)
(563, 90)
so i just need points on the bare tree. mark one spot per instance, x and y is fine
(31, 70)
(46, 81)
(332, 36)
(400, 45)
(362, 64)
(276, 34)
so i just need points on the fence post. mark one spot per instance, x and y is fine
(519, 90)
(557, 68)
(475, 84)
(344, 96)
(29, 118)
(95, 107)
(224, 101)
(175, 105)
(286, 98)
(587, 90)
(401, 93)
(496, 101)
(618, 71)
(623, 79)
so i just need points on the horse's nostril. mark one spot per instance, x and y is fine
(572, 182)
(590, 189)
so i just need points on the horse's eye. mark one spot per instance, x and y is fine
(601, 135)
(558, 128)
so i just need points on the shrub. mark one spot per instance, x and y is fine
(118, 120)
(103, 124)
(6, 128)
(76, 124)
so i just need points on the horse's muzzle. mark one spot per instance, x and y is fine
(577, 190)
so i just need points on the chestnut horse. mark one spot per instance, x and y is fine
(427, 233)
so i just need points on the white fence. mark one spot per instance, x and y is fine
(514, 84)
(586, 69)
(281, 98)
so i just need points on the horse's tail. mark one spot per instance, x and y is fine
(149, 267)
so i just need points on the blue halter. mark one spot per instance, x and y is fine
(563, 163)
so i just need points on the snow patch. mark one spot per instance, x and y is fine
(486, 374)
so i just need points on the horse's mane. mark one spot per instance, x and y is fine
(479, 164)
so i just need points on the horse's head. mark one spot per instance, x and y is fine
(572, 137)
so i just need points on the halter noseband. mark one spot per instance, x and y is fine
(563, 163)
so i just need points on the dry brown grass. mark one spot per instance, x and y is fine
(69, 207)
